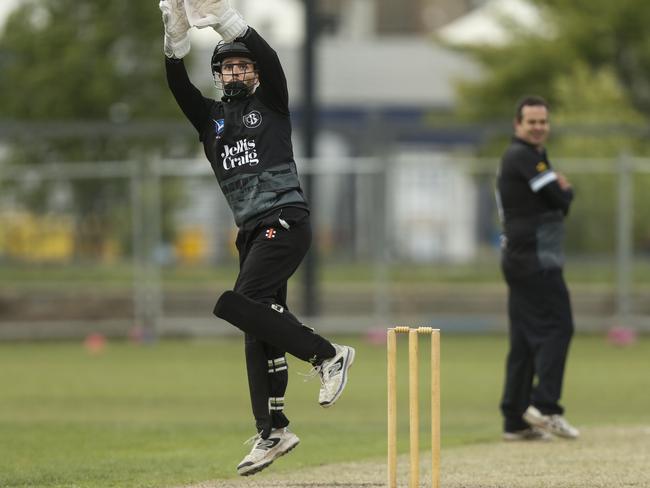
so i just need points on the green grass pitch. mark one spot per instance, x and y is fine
(177, 412)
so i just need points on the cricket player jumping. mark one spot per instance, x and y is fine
(247, 139)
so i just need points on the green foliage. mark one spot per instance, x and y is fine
(589, 104)
(591, 61)
(598, 34)
(510, 73)
(591, 225)
(64, 60)
(609, 34)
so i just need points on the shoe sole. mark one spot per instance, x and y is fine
(506, 437)
(260, 467)
(346, 367)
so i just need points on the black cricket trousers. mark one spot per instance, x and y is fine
(269, 254)
(541, 327)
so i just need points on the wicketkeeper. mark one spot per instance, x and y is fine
(247, 139)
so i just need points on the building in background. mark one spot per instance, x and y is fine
(393, 189)
(487, 23)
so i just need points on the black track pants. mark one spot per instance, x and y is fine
(269, 254)
(541, 327)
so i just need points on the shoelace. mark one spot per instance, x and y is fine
(259, 443)
(252, 440)
(314, 371)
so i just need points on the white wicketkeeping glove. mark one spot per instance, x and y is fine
(177, 39)
(217, 14)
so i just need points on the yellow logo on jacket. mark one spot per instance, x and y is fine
(541, 166)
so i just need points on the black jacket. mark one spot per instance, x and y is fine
(532, 207)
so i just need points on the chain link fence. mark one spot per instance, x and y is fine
(145, 247)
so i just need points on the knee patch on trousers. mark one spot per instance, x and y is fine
(243, 312)
(272, 324)
(227, 304)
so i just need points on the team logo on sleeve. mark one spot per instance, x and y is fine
(218, 126)
(541, 167)
(252, 119)
(270, 233)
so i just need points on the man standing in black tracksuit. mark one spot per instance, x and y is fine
(247, 139)
(533, 201)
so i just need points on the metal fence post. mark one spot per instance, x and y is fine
(624, 246)
(146, 235)
(383, 242)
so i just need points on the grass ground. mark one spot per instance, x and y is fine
(595, 270)
(176, 413)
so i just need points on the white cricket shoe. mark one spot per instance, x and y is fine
(555, 424)
(265, 451)
(334, 375)
(529, 434)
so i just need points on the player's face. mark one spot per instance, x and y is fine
(534, 125)
(238, 69)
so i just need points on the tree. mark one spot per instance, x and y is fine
(599, 34)
(64, 60)
(592, 62)
(609, 34)
(84, 63)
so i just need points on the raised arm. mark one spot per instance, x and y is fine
(176, 47)
(273, 83)
(193, 104)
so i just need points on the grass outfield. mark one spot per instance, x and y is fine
(119, 275)
(176, 413)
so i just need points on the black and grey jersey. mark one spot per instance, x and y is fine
(247, 141)
(532, 207)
